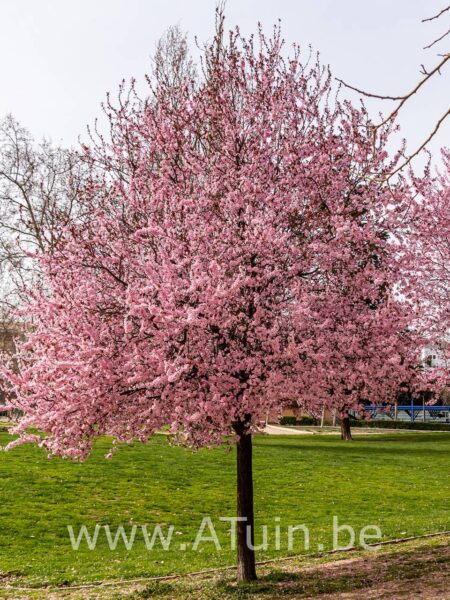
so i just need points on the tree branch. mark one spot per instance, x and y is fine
(437, 40)
(422, 146)
(438, 15)
(414, 90)
(368, 94)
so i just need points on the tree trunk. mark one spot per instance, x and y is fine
(246, 569)
(322, 418)
(346, 433)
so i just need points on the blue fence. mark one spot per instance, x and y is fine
(410, 412)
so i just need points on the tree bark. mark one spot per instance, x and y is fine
(346, 433)
(322, 418)
(246, 569)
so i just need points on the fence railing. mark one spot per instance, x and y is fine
(410, 412)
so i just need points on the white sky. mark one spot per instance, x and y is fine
(59, 57)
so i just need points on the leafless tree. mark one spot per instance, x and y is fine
(39, 184)
(173, 67)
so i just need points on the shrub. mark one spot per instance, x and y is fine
(291, 420)
(308, 421)
(288, 420)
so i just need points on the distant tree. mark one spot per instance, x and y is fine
(173, 66)
(362, 340)
(39, 186)
(430, 242)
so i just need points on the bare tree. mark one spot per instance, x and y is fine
(173, 67)
(39, 185)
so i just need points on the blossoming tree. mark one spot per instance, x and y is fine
(430, 245)
(212, 282)
(432, 242)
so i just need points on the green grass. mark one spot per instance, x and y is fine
(398, 482)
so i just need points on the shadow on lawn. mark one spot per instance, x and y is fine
(330, 578)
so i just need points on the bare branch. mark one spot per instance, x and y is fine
(422, 146)
(414, 91)
(437, 40)
(438, 15)
(368, 94)
(403, 98)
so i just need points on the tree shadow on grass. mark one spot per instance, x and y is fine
(329, 579)
(343, 576)
(282, 584)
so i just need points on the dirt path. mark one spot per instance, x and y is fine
(280, 430)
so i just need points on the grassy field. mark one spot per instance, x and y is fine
(399, 482)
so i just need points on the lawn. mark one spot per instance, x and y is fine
(399, 482)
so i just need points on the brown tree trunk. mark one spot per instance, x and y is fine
(346, 433)
(246, 569)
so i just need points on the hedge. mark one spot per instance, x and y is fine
(294, 421)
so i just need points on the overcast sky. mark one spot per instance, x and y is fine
(59, 57)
